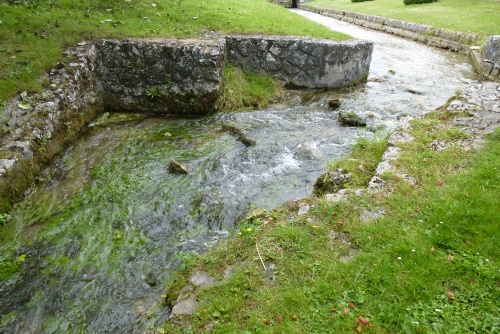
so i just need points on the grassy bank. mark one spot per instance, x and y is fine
(34, 33)
(421, 258)
(480, 17)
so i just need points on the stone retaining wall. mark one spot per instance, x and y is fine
(41, 125)
(303, 62)
(185, 76)
(491, 58)
(167, 76)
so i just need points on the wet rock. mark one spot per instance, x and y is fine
(304, 209)
(240, 136)
(398, 137)
(176, 167)
(163, 317)
(334, 103)
(413, 91)
(376, 125)
(308, 151)
(331, 182)
(376, 183)
(140, 308)
(351, 118)
(339, 196)
(151, 279)
(185, 303)
(202, 279)
(246, 141)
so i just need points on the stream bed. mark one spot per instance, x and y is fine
(93, 244)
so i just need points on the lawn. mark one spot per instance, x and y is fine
(473, 16)
(34, 34)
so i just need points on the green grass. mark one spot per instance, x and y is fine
(34, 35)
(244, 89)
(362, 162)
(429, 263)
(481, 17)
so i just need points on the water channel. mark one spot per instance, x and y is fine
(106, 225)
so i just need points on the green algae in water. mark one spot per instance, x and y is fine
(105, 220)
(109, 224)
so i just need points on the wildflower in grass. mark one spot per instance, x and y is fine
(399, 257)
(249, 229)
(314, 226)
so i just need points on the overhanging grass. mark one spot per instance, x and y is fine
(243, 89)
(33, 35)
(429, 263)
(480, 17)
(362, 161)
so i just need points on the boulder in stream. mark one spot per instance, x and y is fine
(176, 167)
(241, 137)
(351, 118)
(331, 182)
(334, 103)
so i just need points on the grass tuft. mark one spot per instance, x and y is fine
(244, 89)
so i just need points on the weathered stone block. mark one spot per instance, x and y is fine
(491, 57)
(165, 76)
(303, 62)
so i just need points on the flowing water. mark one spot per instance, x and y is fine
(94, 242)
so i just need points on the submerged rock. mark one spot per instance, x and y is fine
(240, 136)
(334, 103)
(176, 167)
(350, 118)
(331, 182)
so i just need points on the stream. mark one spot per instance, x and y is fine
(94, 243)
